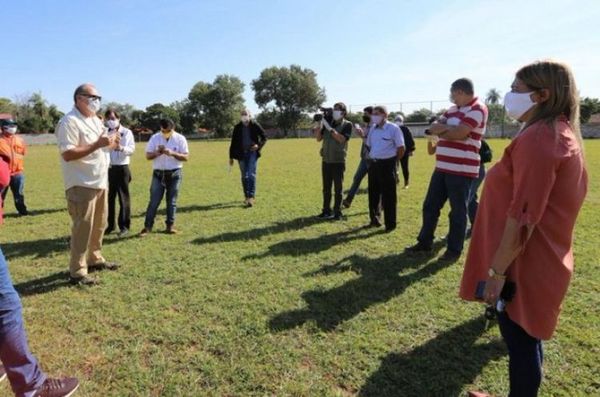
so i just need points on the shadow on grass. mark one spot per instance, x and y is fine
(440, 367)
(379, 282)
(253, 234)
(303, 246)
(195, 208)
(44, 284)
(36, 212)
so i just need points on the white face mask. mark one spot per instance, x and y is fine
(337, 115)
(10, 130)
(376, 119)
(93, 105)
(245, 119)
(112, 124)
(517, 104)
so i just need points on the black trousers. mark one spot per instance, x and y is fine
(404, 165)
(333, 174)
(382, 189)
(119, 177)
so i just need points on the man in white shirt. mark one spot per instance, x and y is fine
(84, 146)
(386, 148)
(168, 150)
(119, 174)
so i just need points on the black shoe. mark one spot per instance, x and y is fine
(390, 229)
(418, 248)
(108, 230)
(347, 203)
(325, 215)
(450, 256)
(24, 213)
(338, 216)
(374, 223)
(85, 280)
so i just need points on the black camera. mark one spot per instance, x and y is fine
(326, 114)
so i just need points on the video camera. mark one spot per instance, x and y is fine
(326, 114)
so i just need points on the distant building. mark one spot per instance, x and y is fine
(5, 116)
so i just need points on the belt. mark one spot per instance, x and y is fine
(382, 160)
(166, 171)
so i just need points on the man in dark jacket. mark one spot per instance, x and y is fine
(247, 140)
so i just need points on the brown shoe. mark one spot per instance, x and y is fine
(63, 387)
(85, 280)
(251, 202)
(171, 230)
(104, 266)
(145, 232)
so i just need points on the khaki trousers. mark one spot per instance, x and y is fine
(88, 209)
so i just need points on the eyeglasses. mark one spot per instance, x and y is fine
(92, 96)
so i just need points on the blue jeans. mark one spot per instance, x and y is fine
(248, 171)
(525, 358)
(22, 368)
(443, 187)
(359, 175)
(473, 203)
(162, 181)
(17, 184)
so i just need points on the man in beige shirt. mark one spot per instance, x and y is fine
(84, 147)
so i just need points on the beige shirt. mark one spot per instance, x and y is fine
(91, 171)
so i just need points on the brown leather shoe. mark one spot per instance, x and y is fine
(171, 230)
(145, 232)
(63, 387)
(84, 280)
(104, 266)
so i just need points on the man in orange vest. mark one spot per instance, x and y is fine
(13, 149)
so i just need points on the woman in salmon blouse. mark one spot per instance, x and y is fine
(524, 227)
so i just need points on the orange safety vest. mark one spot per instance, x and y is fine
(13, 148)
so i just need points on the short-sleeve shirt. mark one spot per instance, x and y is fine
(176, 143)
(127, 143)
(540, 182)
(462, 157)
(383, 142)
(91, 171)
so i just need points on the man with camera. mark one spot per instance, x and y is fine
(334, 131)
(386, 147)
(168, 150)
(460, 131)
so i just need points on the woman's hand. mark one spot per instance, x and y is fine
(492, 290)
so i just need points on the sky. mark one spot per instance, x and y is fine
(364, 52)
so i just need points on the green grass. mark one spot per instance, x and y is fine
(268, 301)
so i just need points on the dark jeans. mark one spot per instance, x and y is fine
(248, 171)
(119, 177)
(443, 187)
(22, 368)
(525, 358)
(361, 172)
(473, 203)
(382, 190)
(17, 184)
(163, 181)
(404, 165)
(333, 174)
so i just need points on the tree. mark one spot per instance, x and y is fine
(290, 92)
(154, 113)
(588, 107)
(492, 97)
(6, 106)
(419, 116)
(215, 106)
(35, 115)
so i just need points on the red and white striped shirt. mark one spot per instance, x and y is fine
(462, 157)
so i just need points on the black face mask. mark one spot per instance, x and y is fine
(367, 119)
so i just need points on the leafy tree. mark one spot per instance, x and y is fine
(151, 117)
(35, 115)
(419, 116)
(6, 106)
(588, 107)
(215, 106)
(290, 92)
(492, 97)
(267, 118)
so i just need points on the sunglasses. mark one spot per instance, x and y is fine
(92, 96)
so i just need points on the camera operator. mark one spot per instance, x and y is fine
(386, 147)
(334, 131)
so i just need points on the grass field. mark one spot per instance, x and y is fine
(269, 301)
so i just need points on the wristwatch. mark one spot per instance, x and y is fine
(495, 275)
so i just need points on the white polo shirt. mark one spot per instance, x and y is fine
(176, 143)
(91, 171)
(384, 141)
(127, 144)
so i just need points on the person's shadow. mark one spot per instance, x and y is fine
(44, 284)
(379, 282)
(440, 367)
(193, 208)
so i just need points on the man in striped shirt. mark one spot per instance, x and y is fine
(460, 130)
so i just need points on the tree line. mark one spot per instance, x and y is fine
(286, 97)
